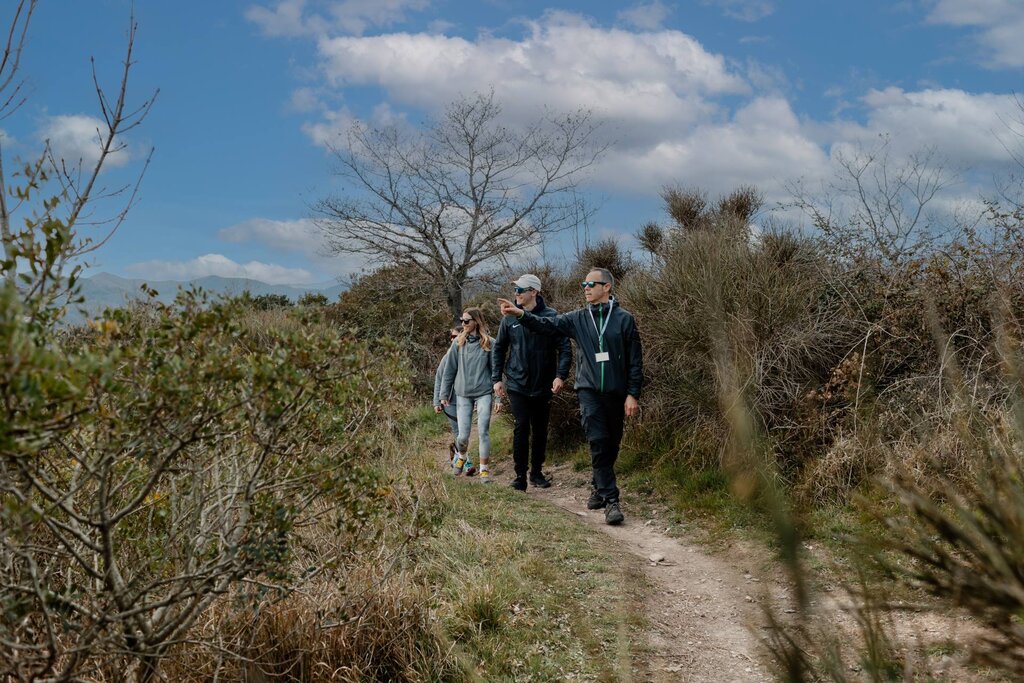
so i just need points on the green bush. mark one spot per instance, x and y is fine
(161, 458)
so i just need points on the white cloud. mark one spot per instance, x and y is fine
(301, 17)
(647, 16)
(78, 137)
(762, 144)
(330, 130)
(968, 129)
(299, 236)
(646, 85)
(286, 18)
(999, 25)
(218, 264)
(675, 111)
(744, 10)
(304, 100)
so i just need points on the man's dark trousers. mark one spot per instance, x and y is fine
(602, 415)
(531, 414)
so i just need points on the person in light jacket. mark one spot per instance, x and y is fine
(467, 371)
(449, 410)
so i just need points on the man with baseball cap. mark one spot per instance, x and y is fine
(534, 367)
(609, 375)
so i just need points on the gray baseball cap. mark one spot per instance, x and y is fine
(528, 281)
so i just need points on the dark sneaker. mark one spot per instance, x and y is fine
(612, 514)
(539, 480)
(595, 502)
(519, 483)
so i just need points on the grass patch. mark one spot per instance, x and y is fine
(523, 591)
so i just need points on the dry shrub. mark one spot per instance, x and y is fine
(398, 304)
(769, 296)
(840, 468)
(369, 632)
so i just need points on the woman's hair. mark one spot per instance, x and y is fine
(481, 329)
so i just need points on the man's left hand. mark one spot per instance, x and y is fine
(632, 406)
(557, 385)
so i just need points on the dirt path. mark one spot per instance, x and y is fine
(703, 609)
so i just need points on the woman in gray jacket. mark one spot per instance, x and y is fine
(467, 370)
(449, 411)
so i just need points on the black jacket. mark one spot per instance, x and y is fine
(534, 360)
(623, 373)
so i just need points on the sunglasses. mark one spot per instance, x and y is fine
(520, 290)
(587, 284)
(466, 321)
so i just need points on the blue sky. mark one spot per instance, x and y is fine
(709, 93)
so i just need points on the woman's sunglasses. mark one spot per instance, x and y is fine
(466, 321)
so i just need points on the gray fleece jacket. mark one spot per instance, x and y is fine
(438, 380)
(467, 370)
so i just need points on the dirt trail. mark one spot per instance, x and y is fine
(703, 609)
(706, 610)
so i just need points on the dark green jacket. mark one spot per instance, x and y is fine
(623, 373)
(529, 361)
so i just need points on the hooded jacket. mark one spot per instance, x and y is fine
(623, 372)
(533, 360)
(438, 380)
(467, 370)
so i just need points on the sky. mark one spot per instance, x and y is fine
(695, 93)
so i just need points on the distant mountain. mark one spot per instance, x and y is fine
(104, 290)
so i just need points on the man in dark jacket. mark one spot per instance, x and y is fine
(609, 374)
(535, 368)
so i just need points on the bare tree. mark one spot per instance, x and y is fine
(875, 204)
(463, 192)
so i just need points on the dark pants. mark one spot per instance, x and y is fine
(602, 416)
(531, 414)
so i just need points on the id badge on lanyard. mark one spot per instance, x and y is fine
(602, 356)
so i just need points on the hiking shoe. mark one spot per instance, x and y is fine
(485, 477)
(539, 480)
(457, 465)
(519, 483)
(612, 514)
(470, 471)
(595, 502)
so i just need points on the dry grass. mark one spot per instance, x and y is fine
(365, 631)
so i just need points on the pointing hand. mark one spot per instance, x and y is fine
(509, 308)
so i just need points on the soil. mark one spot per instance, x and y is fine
(706, 607)
(703, 609)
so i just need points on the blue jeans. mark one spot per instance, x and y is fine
(465, 407)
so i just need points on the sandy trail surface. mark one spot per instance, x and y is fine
(702, 609)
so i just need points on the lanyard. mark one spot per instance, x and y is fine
(604, 326)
